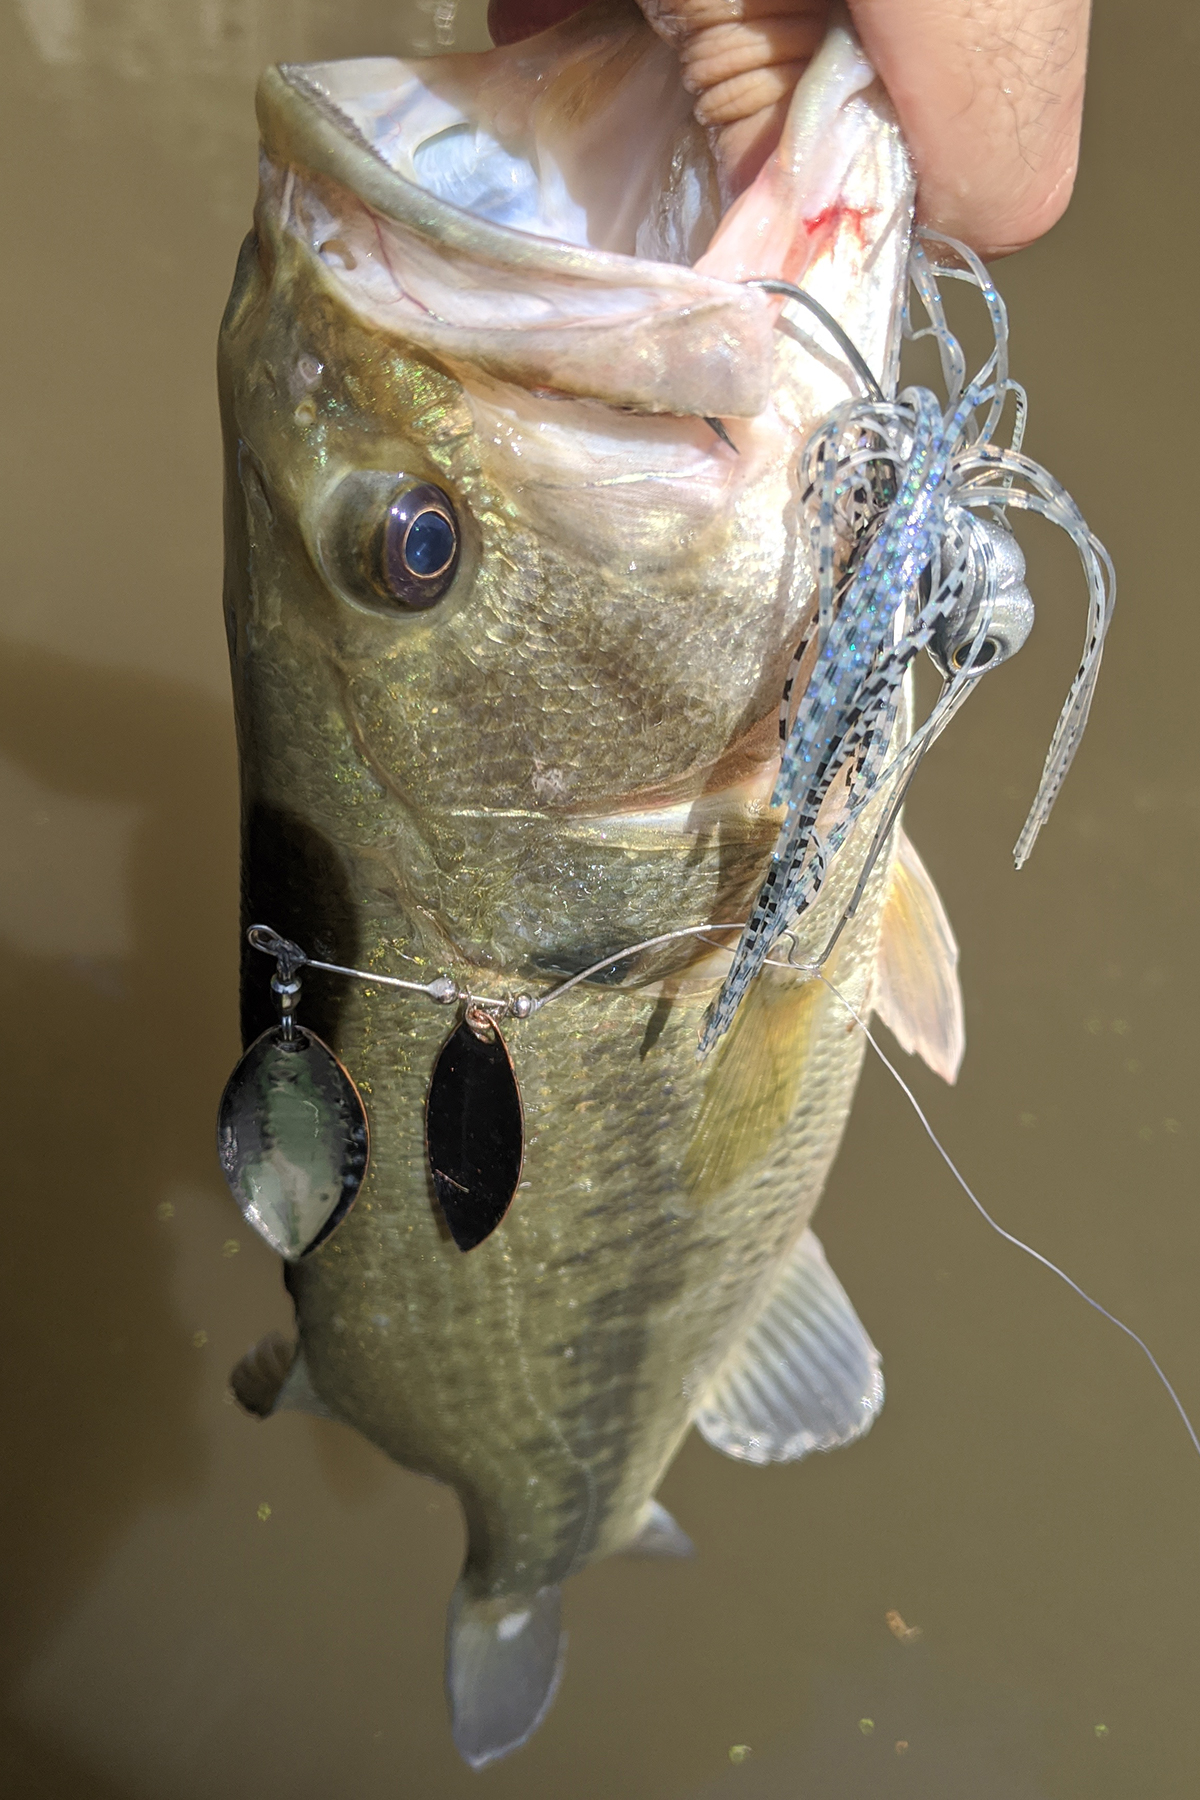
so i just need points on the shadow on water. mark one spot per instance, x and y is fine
(101, 1376)
(37, 1770)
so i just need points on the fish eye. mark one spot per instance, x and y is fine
(389, 541)
(418, 552)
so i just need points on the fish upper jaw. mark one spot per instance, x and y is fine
(546, 213)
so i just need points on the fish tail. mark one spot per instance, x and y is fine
(504, 1661)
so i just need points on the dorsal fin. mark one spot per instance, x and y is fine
(805, 1377)
(916, 992)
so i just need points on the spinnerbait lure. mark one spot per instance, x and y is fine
(903, 483)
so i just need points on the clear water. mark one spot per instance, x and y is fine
(199, 1605)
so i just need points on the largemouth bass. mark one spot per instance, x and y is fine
(517, 563)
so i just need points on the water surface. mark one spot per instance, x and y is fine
(199, 1605)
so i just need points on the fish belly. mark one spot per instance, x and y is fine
(549, 1375)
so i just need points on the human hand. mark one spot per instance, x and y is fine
(989, 92)
(990, 97)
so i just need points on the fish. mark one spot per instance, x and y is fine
(518, 559)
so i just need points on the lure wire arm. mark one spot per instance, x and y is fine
(445, 991)
(788, 290)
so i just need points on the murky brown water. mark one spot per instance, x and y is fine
(1028, 1499)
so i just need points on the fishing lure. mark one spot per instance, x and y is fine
(909, 500)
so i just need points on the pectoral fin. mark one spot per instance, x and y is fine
(504, 1660)
(806, 1376)
(916, 992)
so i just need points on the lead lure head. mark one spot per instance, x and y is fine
(993, 615)
(291, 1130)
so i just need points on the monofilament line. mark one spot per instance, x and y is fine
(986, 1216)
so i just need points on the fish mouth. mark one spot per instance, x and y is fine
(548, 213)
(543, 223)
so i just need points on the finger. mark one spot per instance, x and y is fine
(742, 60)
(989, 94)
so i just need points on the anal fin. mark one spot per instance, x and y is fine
(805, 1377)
(273, 1377)
(504, 1661)
(659, 1535)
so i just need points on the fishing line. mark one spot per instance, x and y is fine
(986, 1216)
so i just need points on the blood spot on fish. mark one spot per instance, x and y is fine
(819, 233)
(832, 219)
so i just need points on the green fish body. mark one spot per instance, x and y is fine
(571, 750)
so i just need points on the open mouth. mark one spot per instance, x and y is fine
(548, 213)
(584, 135)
